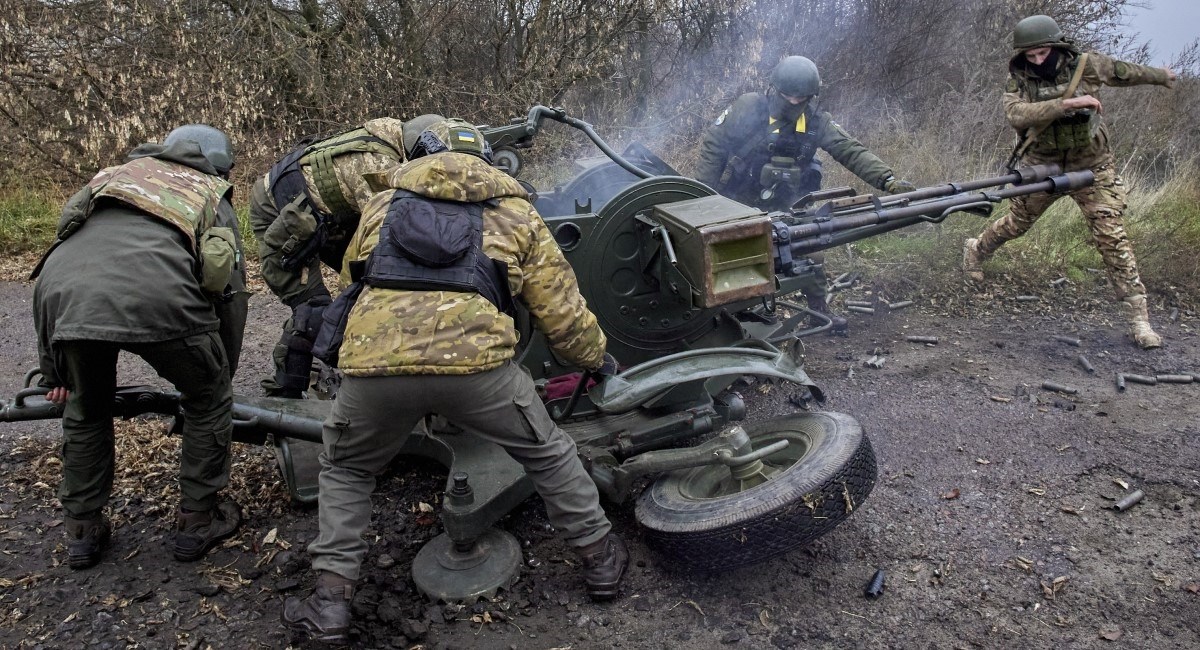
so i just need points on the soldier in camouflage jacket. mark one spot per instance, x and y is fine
(409, 353)
(1052, 101)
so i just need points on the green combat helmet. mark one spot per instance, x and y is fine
(1036, 31)
(796, 76)
(414, 127)
(214, 144)
(452, 135)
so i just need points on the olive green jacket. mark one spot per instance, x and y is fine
(748, 118)
(128, 277)
(1025, 111)
(400, 332)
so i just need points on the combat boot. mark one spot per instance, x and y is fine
(604, 564)
(838, 325)
(1139, 323)
(325, 614)
(972, 262)
(197, 532)
(86, 540)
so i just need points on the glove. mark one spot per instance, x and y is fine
(893, 185)
(609, 367)
(307, 317)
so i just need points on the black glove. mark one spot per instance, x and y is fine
(609, 367)
(306, 317)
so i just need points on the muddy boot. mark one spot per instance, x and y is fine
(972, 263)
(325, 614)
(197, 532)
(86, 540)
(604, 564)
(838, 324)
(1139, 323)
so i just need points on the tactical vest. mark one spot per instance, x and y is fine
(424, 245)
(1071, 132)
(176, 194)
(773, 146)
(287, 180)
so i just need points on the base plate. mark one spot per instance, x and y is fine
(443, 572)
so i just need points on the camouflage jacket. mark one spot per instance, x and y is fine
(281, 228)
(398, 332)
(750, 118)
(1031, 102)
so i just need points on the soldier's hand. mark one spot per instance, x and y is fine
(893, 185)
(610, 366)
(58, 395)
(1082, 102)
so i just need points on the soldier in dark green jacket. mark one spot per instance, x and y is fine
(761, 151)
(147, 260)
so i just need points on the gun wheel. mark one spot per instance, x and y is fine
(702, 519)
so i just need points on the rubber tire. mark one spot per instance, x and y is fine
(794, 508)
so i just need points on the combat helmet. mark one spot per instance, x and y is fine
(214, 144)
(1036, 31)
(796, 76)
(414, 127)
(452, 135)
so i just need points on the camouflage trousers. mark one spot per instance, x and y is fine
(372, 418)
(1103, 205)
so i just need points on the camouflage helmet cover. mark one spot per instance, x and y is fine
(414, 127)
(452, 135)
(796, 76)
(1036, 31)
(214, 144)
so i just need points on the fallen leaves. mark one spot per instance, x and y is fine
(1110, 632)
(1049, 591)
(951, 495)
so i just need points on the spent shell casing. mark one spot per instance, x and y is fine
(1059, 388)
(1174, 379)
(1058, 283)
(921, 339)
(1120, 383)
(900, 305)
(1141, 379)
(859, 303)
(861, 310)
(1028, 298)
(874, 588)
(1069, 340)
(1087, 365)
(1126, 502)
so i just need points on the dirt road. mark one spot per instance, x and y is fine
(991, 518)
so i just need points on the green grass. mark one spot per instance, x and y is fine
(28, 219)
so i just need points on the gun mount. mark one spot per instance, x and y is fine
(687, 286)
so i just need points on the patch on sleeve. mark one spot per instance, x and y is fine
(1012, 86)
(1121, 70)
(721, 117)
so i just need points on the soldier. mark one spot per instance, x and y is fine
(1051, 100)
(148, 260)
(303, 212)
(761, 151)
(436, 261)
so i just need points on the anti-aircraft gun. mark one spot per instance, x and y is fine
(691, 289)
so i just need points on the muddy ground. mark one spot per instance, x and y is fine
(991, 516)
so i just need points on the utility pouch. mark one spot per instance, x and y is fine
(218, 257)
(1072, 132)
(333, 325)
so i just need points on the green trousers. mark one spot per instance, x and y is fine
(196, 366)
(373, 416)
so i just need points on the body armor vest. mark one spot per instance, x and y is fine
(287, 180)
(1071, 132)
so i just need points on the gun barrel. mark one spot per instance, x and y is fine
(839, 229)
(1022, 176)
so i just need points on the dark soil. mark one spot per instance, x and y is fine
(991, 517)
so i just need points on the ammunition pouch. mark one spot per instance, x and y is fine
(1071, 132)
(298, 339)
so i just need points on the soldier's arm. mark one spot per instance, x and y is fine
(714, 154)
(232, 313)
(294, 287)
(1023, 114)
(851, 154)
(551, 293)
(1112, 72)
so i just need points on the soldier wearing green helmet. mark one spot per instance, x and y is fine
(1052, 102)
(147, 261)
(762, 151)
(303, 212)
(441, 252)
